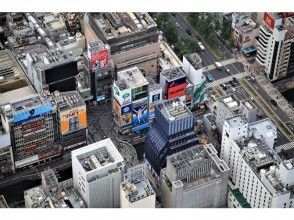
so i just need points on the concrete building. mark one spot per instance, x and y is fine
(130, 100)
(172, 131)
(195, 178)
(141, 48)
(55, 26)
(3, 203)
(32, 128)
(52, 70)
(275, 46)
(97, 173)
(13, 83)
(228, 106)
(135, 190)
(98, 70)
(192, 65)
(257, 172)
(6, 153)
(71, 117)
(53, 194)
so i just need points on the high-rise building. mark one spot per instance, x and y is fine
(257, 172)
(132, 37)
(98, 70)
(32, 130)
(275, 48)
(173, 131)
(6, 154)
(71, 118)
(97, 173)
(135, 190)
(195, 178)
(130, 100)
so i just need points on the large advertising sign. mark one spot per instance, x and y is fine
(116, 108)
(176, 91)
(99, 59)
(32, 113)
(122, 96)
(176, 82)
(269, 20)
(151, 111)
(155, 96)
(126, 115)
(73, 119)
(140, 113)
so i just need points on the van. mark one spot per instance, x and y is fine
(201, 46)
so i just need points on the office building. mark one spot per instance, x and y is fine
(141, 48)
(275, 46)
(172, 131)
(229, 106)
(135, 190)
(195, 178)
(3, 203)
(53, 194)
(130, 100)
(52, 70)
(97, 173)
(6, 153)
(196, 81)
(32, 130)
(54, 26)
(173, 83)
(257, 172)
(98, 71)
(71, 117)
(13, 84)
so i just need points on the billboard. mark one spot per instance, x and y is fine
(98, 59)
(122, 96)
(140, 113)
(32, 113)
(269, 20)
(126, 115)
(155, 96)
(176, 91)
(151, 111)
(73, 119)
(116, 108)
(176, 82)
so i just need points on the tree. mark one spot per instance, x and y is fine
(226, 29)
(171, 33)
(161, 19)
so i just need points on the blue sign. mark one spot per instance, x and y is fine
(32, 113)
(140, 115)
(126, 109)
(100, 98)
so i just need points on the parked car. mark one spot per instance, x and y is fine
(209, 78)
(188, 32)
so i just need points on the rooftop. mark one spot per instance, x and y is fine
(11, 75)
(195, 60)
(237, 121)
(122, 24)
(285, 151)
(68, 100)
(230, 102)
(133, 77)
(98, 156)
(136, 185)
(173, 74)
(152, 84)
(174, 109)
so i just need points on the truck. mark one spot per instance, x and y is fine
(218, 65)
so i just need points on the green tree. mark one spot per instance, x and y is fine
(171, 32)
(161, 19)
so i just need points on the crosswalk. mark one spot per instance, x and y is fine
(224, 63)
(226, 79)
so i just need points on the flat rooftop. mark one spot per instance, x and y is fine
(121, 24)
(285, 151)
(230, 102)
(152, 84)
(136, 185)
(98, 155)
(68, 100)
(174, 109)
(173, 74)
(195, 60)
(264, 127)
(236, 121)
(133, 77)
(16, 94)
(11, 73)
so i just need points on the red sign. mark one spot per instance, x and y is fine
(176, 91)
(269, 20)
(288, 14)
(99, 59)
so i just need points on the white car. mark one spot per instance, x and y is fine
(201, 46)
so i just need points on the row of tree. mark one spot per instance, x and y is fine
(181, 45)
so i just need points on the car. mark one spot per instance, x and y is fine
(224, 86)
(209, 78)
(198, 38)
(201, 46)
(274, 102)
(188, 32)
(213, 98)
(177, 24)
(218, 65)
(232, 83)
(235, 80)
(233, 89)
(227, 70)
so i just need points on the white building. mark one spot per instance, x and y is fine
(97, 173)
(275, 46)
(136, 191)
(194, 178)
(257, 172)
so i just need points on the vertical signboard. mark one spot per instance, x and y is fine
(154, 97)
(73, 119)
(99, 59)
(176, 91)
(269, 20)
(126, 115)
(140, 113)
